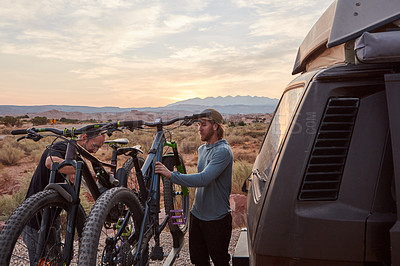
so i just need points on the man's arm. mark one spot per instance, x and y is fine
(68, 169)
(219, 162)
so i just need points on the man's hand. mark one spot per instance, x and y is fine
(68, 169)
(162, 169)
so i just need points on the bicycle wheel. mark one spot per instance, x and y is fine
(126, 174)
(176, 200)
(111, 230)
(19, 237)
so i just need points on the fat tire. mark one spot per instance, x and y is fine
(177, 231)
(124, 172)
(90, 243)
(23, 214)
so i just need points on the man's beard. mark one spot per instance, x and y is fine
(207, 136)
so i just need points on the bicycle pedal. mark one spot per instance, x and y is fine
(177, 217)
(157, 253)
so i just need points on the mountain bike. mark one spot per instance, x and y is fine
(41, 231)
(122, 222)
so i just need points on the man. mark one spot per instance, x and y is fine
(210, 225)
(92, 142)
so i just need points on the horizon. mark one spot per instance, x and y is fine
(110, 106)
(148, 53)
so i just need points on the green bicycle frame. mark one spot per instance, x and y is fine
(173, 145)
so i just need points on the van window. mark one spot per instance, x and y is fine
(266, 159)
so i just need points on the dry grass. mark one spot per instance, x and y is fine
(34, 149)
(9, 202)
(240, 172)
(12, 151)
(10, 154)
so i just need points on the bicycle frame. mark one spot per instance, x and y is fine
(122, 222)
(73, 198)
(152, 202)
(71, 193)
(149, 195)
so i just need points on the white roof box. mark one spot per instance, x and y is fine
(343, 21)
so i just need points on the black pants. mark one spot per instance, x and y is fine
(210, 239)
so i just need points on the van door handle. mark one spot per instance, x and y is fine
(244, 186)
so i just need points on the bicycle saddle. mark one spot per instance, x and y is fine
(135, 149)
(122, 141)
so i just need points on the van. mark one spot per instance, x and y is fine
(323, 188)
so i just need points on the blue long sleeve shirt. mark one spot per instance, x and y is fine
(213, 181)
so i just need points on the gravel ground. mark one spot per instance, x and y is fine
(166, 241)
(184, 257)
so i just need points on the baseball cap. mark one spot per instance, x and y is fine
(213, 115)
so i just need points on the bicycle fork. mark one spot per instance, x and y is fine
(50, 216)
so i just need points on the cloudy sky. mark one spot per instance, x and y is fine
(138, 53)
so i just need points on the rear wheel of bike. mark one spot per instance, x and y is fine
(126, 175)
(176, 200)
(20, 234)
(110, 235)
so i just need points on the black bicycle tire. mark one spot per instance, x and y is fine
(125, 170)
(97, 217)
(124, 175)
(169, 194)
(23, 214)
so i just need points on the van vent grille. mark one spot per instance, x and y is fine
(325, 166)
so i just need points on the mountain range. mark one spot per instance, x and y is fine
(226, 105)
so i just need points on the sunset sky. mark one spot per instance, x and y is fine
(141, 53)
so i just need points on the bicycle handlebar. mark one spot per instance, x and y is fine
(65, 132)
(19, 132)
(133, 124)
(169, 122)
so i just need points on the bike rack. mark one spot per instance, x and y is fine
(177, 219)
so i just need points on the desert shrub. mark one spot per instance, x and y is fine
(90, 121)
(36, 155)
(244, 155)
(10, 121)
(10, 154)
(255, 134)
(5, 131)
(236, 139)
(31, 148)
(235, 131)
(69, 121)
(9, 202)
(39, 120)
(144, 138)
(189, 144)
(5, 177)
(241, 170)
